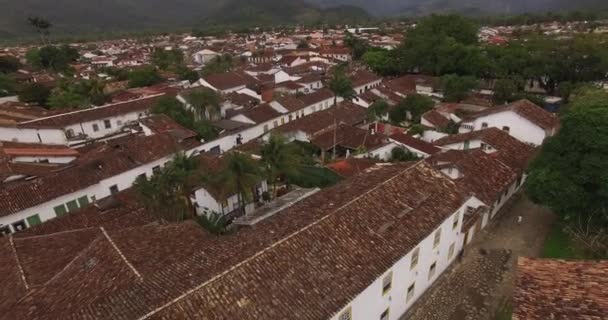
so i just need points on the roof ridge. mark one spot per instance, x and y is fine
(275, 244)
(122, 256)
(11, 242)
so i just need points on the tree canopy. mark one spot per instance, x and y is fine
(457, 88)
(53, 58)
(34, 93)
(414, 105)
(175, 110)
(166, 59)
(78, 94)
(143, 77)
(341, 85)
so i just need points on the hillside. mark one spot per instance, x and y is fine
(471, 7)
(92, 16)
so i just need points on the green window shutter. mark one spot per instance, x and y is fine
(83, 201)
(60, 210)
(72, 206)
(34, 220)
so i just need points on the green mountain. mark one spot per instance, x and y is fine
(103, 16)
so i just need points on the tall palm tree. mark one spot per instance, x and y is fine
(240, 174)
(341, 85)
(280, 159)
(206, 103)
(167, 193)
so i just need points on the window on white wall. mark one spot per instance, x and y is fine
(456, 219)
(346, 314)
(437, 238)
(432, 270)
(387, 282)
(414, 261)
(410, 292)
(107, 124)
(95, 127)
(384, 315)
(451, 251)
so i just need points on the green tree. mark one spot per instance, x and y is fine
(241, 174)
(505, 90)
(34, 93)
(303, 44)
(175, 110)
(166, 59)
(280, 160)
(341, 85)
(186, 73)
(415, 105)
(53, 58)
(457, 88)
(399, 154)
(377, 110)
(167, 193)
(7, 85)
(206, 103)
(357, 46)
(144, 77)
(78, 94)
(9, 64)
(381, 61)
(219, 64)
(570, 175)
(42, 26)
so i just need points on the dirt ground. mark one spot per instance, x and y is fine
(479, 285)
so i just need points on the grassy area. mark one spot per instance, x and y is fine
(504, 313)
(310, 177)
(558, 245)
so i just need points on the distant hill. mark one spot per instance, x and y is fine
(470, 7)
(93, 16)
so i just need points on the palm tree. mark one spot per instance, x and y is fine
(240, 174)
(280, 159)
(42, 26)
(206, 103)
(167, 193)
(341, 85)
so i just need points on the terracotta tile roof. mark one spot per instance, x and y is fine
(318, 122)
(98, 113)
(241, 99)
(104, 160)
(316, 97)
(244, 275)
(407, 84)
(363, 77)
(436, 119)
(291, 103)
(68, 270)
(351, 138)
(162, 124)
(229, 80)
(17, 149)
(558, 289)
(481, 174)
(526, 109)
(511, 151)
(261, 113)
(349, 167)
(310, 78)
(414, 143)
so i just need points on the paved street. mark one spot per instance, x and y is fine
(480, 284)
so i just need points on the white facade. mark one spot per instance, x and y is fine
(518, 127)
(368, 86)
(374, 300)
(207, 204)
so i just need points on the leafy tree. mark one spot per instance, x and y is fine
(42, 26)
(399, 154)
(167, 193)
(570, 175)
(377, 110)
(206, 103)
(164, 59)
(34, 93)
(358, 46)
(7, 85)
(341, 85)
(303, 44)
(415, 105)
(241, 174)
(505, 90)
(79, 94)
(416, 129)
(280, 159)
(213, 222)
(186, 73)
(53, 58)
(144, 77)
(219, 64)
(381, 61)
(117, 73)
(9, 64)
(457, 88)
(175, 110)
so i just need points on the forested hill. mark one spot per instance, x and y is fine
(93, 16)
(468, 7)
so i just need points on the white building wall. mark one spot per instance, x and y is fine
(371, 303)
(26, 135)
(519, 127)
